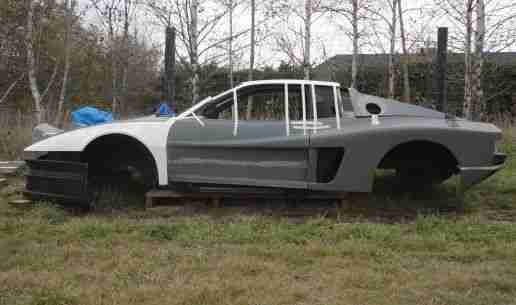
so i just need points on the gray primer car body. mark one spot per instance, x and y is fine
(262, 153)
(299, 135)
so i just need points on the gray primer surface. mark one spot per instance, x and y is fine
(263, 153)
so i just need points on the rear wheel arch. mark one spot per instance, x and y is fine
(417, 149)
(420, 163)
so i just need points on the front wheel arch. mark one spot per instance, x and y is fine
(118, 150)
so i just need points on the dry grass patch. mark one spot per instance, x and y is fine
(393, 249)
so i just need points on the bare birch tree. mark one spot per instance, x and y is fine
(405, 61)
(467, 108)
(231, 8)
(296, 42)
(478, 62)
(116, 16)
(252, 48)
(308, 39)
(199, 37)
(355, 12)
(392, 28)
(481, 25)
(69, 9)
(30, 41)
(384, 21)
(125, 52)
(31, 62)
(356, 36)
(10, 88)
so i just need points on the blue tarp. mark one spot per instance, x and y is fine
(88, 116)
(165, 110)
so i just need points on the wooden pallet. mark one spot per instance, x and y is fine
(214, 196)
(10, 167)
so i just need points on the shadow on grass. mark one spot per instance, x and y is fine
(387, 204)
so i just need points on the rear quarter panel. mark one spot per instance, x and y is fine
(366, 144)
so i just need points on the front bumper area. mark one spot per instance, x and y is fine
(57, 181)
(472, 175)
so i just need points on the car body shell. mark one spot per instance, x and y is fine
(288, 153)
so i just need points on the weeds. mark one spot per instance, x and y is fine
(14, 137)
(427, 248)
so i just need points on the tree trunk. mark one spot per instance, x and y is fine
(125, 53)
(251, 58)
(392, 72)
(114, 72)
(31, 63)
(169, 85)
(308, 24)
(406, 78)
(230, 42)
(354, 63)
(194, 49)
(10, 88)
(467, 106)
(70, 4)
(477, 92)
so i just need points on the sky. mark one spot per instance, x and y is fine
(329, 36)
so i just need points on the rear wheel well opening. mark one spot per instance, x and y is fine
(420, 163)
(434, 153)
(118, 154)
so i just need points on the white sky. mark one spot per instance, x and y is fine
(329, 37)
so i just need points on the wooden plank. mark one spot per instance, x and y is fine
(20, 202)
(11, 163)
(215, 195)
(7, 170)
(9, 167)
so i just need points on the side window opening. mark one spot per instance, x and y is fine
(267, 103)
(295, 103)
(309, 105)
(325, 102)
(262, 102)
(345, 101)
(221, 109)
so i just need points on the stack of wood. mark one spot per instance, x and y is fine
(9, 168)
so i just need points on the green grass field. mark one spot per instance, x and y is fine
(432, 248)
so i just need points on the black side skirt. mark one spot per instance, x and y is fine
(58, 181)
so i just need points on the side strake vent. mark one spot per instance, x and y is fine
(328, 163)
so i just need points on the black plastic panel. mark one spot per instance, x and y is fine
(58, 180)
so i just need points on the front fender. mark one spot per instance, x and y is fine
(152, 135)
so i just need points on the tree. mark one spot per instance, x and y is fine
(489, 26)
(116, 16)
(384, 17)
(69, 13)
(32, 63)
(197, 32)
(405, 64)
(298, 38)
(250, 76)
(478, 62)
(355, 12)
(392, 27)
(231, 5)
(10, 89)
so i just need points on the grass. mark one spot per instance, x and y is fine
(15, 135)
(431, 248)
